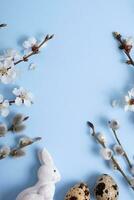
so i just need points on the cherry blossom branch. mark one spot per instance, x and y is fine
(11, 102)
(35, 50)
(118, 167)
(126, 47)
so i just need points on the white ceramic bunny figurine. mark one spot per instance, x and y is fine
(48, 175)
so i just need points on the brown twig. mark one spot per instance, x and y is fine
(35, 50)
(112, 158)
(126, 48)
(11, 102)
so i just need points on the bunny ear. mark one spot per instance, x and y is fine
(45, 157)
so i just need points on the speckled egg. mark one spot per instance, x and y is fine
(78, 192)
(106, 188)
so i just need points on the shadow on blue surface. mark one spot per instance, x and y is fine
(19, 187)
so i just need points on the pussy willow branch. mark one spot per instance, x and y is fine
(112, 158)
(14, 151)
(124, 152)
(3, 25)
(35, 50)
(118, 37)
(11, 128)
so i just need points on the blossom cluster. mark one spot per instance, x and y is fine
(22, 96)
(11, 57)
(8, 74)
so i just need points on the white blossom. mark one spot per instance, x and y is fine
(101, 137)
(4, 106)
(30, 42)
(106, 153)
(114, 124)
(12, 54)
(118, 149)
(8, 72)
(129, 41)
(23, 96)
(129, 101)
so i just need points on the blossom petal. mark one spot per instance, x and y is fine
(30, 95)
(126, 107)
(13, 54)
(32, 41)
(8, 63)
(5, 112)
(26, 44)
(5, 79)
(16, 91)
(1, 98)
(22, 90)
(1, 65)
(5, 104)
(27, 102)
(127, 98)
(132, 92)
(18, 101)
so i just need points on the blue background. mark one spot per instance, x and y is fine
(78, 75)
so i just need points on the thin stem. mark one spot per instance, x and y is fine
(11, 102)
(124, 152)
(35, 50)
(121, 171)
(112, 158)
(121, 41)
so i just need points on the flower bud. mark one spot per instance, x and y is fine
(113, 124)
(106, 153)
